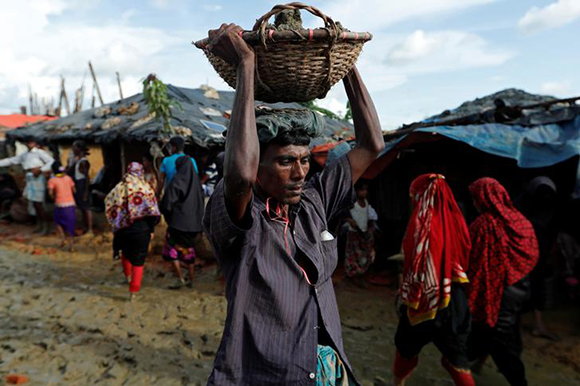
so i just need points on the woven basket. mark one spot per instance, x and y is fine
(295, 66)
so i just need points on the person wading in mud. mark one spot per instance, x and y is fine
(269, 229)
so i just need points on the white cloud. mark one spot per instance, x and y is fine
(439, 51)
(554, 15)
(46, 49)
(562, 88)
(370, 15)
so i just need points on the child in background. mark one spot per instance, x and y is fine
(360, 244)
(61, 189)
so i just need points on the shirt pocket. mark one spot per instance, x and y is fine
(329, 254)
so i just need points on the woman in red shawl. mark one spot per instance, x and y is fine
(504, 252)
(435, 308)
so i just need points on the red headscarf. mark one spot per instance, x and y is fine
(436, 248)
(504, 250)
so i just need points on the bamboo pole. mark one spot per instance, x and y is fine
(123, 162)
(30, 100)
(96, 83)
(63, 95)
(119, 83)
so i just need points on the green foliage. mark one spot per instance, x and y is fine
(158, 101)
(314, 107)
(348, 114)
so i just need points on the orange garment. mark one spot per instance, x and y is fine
(62, 187)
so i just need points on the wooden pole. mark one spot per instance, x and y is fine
(96, 83)
(93, 97)
(123, 162)
(79, 96)
(30, 100)
(64, 96)
(36, 105)
(119, 83)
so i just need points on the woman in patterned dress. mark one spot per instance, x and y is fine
(132, 212)
(504, 252)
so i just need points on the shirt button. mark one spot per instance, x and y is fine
(312, 375)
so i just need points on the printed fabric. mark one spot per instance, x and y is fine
(505, 249)
(131, 199)
(436, 248)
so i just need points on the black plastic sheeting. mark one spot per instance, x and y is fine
(515, 110)
(108, 123)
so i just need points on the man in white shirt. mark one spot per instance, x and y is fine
(35, 162)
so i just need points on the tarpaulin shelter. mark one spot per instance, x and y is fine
(202, 116)
(125, 129)
(511, 135)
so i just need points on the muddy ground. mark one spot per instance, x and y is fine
(65, 320)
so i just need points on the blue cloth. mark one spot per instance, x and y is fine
(532, 147)
(330, 370)
(168, 166)
(35, 189)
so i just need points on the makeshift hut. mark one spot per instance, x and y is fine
(123, 131)
(511, 136)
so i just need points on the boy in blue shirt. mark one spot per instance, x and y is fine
(167, 170)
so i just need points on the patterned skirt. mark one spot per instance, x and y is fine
(360, 252)
(179, 246)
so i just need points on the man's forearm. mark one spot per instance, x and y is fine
(10, 161)
(242, 146)
(366, 120)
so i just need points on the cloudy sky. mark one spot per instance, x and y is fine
(426, 55)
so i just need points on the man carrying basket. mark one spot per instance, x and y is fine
(268, 226)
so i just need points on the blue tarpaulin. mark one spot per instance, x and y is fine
(532, 146)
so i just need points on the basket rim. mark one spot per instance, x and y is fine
(301, 35)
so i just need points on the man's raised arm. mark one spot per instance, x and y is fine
(242, 154)
(367, 128)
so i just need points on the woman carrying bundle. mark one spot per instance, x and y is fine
(435, 308)
(182, 207)
(504, 252)
(132, 212)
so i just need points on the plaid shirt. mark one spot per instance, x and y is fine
(274, 316)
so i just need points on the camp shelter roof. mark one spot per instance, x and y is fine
(533, 145)
(202, 115)
(17, 120)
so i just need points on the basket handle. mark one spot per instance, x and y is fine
(262, 22)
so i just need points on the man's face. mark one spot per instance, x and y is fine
(30, 145)
(173, 149)
(282, 172)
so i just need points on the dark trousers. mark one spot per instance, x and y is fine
(503, 342)
(449, 331)
(505, 348)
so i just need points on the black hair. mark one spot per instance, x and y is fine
(56, 165)
(81, 145)
(148, 157)
(360, 184)
(178, 143)
(297, 137)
